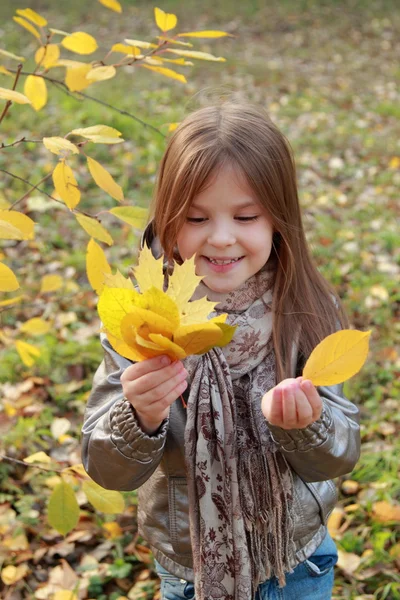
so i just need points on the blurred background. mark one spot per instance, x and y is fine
(328, 73)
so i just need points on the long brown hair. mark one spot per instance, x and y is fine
(244, 136)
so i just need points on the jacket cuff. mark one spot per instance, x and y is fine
(128, 436)
(310, 437)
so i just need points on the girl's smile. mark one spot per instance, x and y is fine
(228, 230)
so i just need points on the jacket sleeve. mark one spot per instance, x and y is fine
(327, 448)
(116, 453)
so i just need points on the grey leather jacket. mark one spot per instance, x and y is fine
(118, 455)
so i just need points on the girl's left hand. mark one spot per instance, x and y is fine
(292, 404)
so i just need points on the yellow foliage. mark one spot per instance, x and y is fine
(66, 184)
(8, 281)
(165, 21)
(80, 42)
(51, 283)
(205, 34)
(35, 326)
(154, 322)
(338, 357)
(59, 145)
(47, 56)
(167, 72)
(133, 215)
(27, 26)
(101, 73)
(33, 16)
(6, 94)
(112, 4)
(96, 266)
(35, 89)
(94, 229)
(75, 78)
(21, 226)
(104, 180)
(27, 352)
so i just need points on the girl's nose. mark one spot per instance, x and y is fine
(221, 237)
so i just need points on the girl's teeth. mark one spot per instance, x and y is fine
(222, 262)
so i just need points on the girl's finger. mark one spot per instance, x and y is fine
(151, 381)
(273, 412)
(153, 395)
(303, 409)
(145, 366)
(313, 397)
(289, 407)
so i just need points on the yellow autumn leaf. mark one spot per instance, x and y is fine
(11, 55)
(8, 281)
(112, 530)
(11, 301)
(133, 215)
(384, 512)
(338, 357)
(101, 73)
(11, 574)
(112, 5)
(107, 501)
(80, 42)
(26, 25)
(96, 266)
(35, 326)
(165, 21)
(75, 78)
(172, 127)
(40, 457)
(118, 281)
(59, 145)
(204, 34)
(394, 162)
(6, 94)
(66, 184)
(196, 54)
(160, 60)
(27, 352)
(125, 49)
(94, 229)
(148, 323)
(35, 89)
(140, 44)
(17, 221)
(64, 595)
(174, 41)
(47, 56)
(33, 16)
(51, 283)
(196, 311)
(149, 271)
(58, 31)
(96, 132)
(167, 72)
(104, 180)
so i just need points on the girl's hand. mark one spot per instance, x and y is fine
(151, 386)
(292, 404)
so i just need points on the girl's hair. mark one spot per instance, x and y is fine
(242, 135)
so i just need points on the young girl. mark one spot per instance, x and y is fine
(235, 489)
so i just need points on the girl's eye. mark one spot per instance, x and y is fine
(195, 219)
(247, 218)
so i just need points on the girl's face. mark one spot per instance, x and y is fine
(229, 232)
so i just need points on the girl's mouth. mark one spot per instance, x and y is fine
(222, 265)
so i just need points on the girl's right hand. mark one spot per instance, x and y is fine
(151, 386)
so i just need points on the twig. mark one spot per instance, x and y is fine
(19, 142)
(24, 464)
(9, 102)
(30, 191)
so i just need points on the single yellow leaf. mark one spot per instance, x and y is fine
(149, 271)
(51, 283)
(40, 457)
(183, 282)
(11, 301)
(66, 184)
(113, 531)
(172, 127)
(130, 352)
(107, 501)
(140, 320)
(27, 26)
(167, 72)
(94, 229)
(63, 509)
(96, 266)
(104, 180)
(194, 338)
(35, 326)
(133, 215)
(101, 73)
(100, 139)
(335, 521)
(139, 44)
(112, 5)
(195, 54)
(33, 16)
(59, 145)
(47, 56)
(394, 162)
(157, 60)
(204, 34)
(196, 311)
(98, 131)
(35, 89)
(64, 595)
(338, 357)
(384, 511)
(11, 55)
(6, 94)
(58, 31)
(19, 221)
(165, 21)
(11, 574)
(118, 281)
(348, 561)
(75, 78)
(125, 49)
(27, 352)
(8, 281)
(80, 42)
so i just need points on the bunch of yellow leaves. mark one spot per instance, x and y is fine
(140, 325)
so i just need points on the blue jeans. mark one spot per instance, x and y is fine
(310, 580)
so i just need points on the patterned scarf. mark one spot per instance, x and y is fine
(240, 486)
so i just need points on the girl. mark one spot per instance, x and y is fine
(235, 489)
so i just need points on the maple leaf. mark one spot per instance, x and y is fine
(150, 322)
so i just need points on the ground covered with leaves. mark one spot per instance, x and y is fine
(328, 72)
